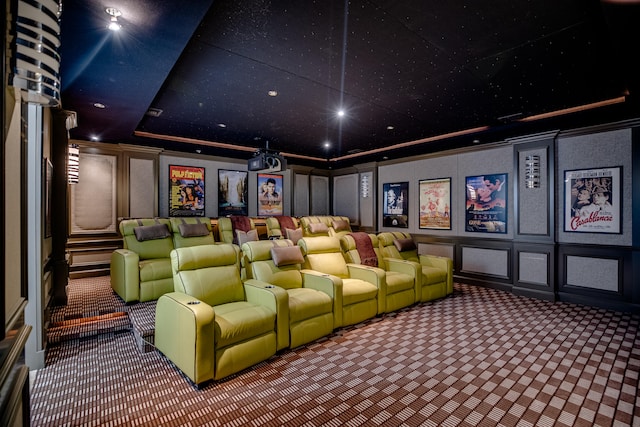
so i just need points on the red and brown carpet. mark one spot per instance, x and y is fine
(480, 357)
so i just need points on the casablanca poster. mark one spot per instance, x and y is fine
(435, 204)
(486, 203)
(232, 193)
(592, 200)
(186, 191)
(269, 194)
(395, 212)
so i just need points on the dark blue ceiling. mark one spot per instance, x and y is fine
(404, 71)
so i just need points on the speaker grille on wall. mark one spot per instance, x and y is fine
(35, 60)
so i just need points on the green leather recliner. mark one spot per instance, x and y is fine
(141, 270)
(274, 231)
(437, 271)
(361, 284)
(213, 325)
(311, 295)
(403, 278)
(226, 230)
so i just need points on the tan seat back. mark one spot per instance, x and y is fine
(323, 254)
(209, 273)
(191, 231)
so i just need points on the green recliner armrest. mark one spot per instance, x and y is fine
(125, 274)
(330, 285)
(185, 334)
(411, 268)
(374, 275)
(443, 263)
(275, 299)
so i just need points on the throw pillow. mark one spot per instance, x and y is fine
(249, 236)
(318, 228)
(293, 235)
(286, 255)
(404, 244)
(341, 225)
(151, 232)
(193, 230)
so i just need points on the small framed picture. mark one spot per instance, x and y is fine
(592, 202)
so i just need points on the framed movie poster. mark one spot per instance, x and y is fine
(269, 194)
(592, 202)
(233, 193)
(486, 203)
(395, 212)
(435, 204)
(186, 191)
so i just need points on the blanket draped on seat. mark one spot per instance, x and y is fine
(285, 222)
(365, 249)
(238, 222)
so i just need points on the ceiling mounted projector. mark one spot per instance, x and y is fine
(264, 161)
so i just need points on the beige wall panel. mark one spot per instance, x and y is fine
(93, 199)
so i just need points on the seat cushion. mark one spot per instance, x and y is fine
(356, 290)
(432, 275)
(305, 303)
(155, 269)
(398, 282)
(239, 321)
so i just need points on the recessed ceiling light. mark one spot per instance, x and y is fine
(222, 125)
(327, 144)
(154, 112)
(99, 105)
(390, 127)
(273, 93)
(94, 138)
(340, 113)
(113, 21)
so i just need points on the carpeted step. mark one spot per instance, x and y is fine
(93, 308)
(85, 327)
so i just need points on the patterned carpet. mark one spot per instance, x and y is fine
(481, 357)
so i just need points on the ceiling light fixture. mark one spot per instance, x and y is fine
(113, 22)
(340, 113)
(99, 105)
(273, 93)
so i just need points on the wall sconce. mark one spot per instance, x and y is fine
(532, 171)
(73, 166)
(364, 186)
(34, 49)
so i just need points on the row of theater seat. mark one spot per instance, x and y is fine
(217, 322)
(141, 270)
